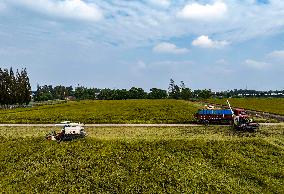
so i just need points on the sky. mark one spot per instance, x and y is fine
(216, 44)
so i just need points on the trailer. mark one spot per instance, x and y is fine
(237, 117)
(220, 116)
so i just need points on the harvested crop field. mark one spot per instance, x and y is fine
(144, 159)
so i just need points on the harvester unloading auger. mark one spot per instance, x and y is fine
(237, 117)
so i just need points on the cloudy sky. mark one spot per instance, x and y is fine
(217, 44)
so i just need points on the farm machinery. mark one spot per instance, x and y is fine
(69, 131)
(237, 117)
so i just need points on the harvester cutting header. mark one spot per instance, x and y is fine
(237, 117)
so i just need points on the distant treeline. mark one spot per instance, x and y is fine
(47, 92)
(14, 87)
(248, 93)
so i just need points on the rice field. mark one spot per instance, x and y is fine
(143, 160)
(113, 111)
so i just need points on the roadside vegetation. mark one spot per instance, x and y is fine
(114, 111)
(270, 105)
(149, 160)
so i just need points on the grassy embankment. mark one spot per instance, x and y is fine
(115, 111)
(150, 160)
(270, 105)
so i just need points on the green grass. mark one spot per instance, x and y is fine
(148, 160)
(120, 111)
(270, 105)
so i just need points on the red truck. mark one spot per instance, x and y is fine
(219, 115)
(237, 117)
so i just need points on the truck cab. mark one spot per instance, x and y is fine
(240, 112)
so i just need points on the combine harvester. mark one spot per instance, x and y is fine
(69, 131)
(237, 117)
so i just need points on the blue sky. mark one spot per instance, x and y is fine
(217, 44)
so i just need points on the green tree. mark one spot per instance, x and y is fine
(174, 90)
(120, 94)
(106, 94)
(44, 93)
(27, 87)
(137, 93)
(185, 93)
(205, 94)
(156, 93)
(6, 87)
(13, 87)
(2, 87)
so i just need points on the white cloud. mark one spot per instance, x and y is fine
(139, 68)
(70, 9)
(221, 62)
(205, 42)
(137, 24)
(166, 47)
(162, 3)
(172, 63)
(272, 61)
(278, 55)
(207, 12)
(256, 64)
(141, 65)
(2, 6)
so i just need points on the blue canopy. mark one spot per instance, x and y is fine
(215, 112)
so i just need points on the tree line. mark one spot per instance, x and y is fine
(47, 92)
(240, 93)
(14, 87)
(44, 93)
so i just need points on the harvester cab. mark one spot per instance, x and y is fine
(69, 131)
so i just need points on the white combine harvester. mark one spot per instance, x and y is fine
(68, 132)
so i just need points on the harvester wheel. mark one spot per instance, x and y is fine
(206, 122)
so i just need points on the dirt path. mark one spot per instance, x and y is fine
(124, 125)
(104, 125)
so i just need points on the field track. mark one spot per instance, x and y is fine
(104, 125)
(125, 125)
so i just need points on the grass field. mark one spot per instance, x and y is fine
(115, 111)
(270, 105)
(148, 160)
